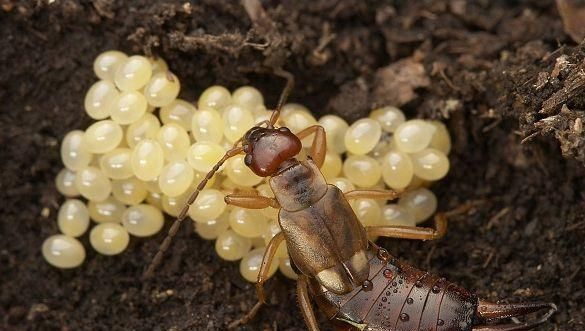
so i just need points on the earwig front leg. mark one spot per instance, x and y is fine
(305, 304)
(372, 194)
(266, 263)
(319, 146)
(411, 232)
(251, 201)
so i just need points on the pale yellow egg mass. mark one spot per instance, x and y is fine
(209, 205)
(250, 265)
(231, 246)
(147, 159)
(162, 89)
(99, 98)
(144, 128)
(174, 141)
(430, 164)
(362, 170)
(248, 97)
(92, 184)
(74, 152)
(143, 220)
(335, 129)
(216, 97)
(106, 63)
(133, 73)
(237, 120)
(128, 107)
(420, 203)
(397, 169)
(63, 251)
(116, 163)
(178, 112)
(389, 117)
(65, 183)
(211, 229)
(203, 155)
(73, 218)
(109, 238)
(362, 136)
(413, 136)
(130, 191)
(108, 210)
(175, 178)
(207, 125)
(102, 136)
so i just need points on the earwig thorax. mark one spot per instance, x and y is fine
(267, 148)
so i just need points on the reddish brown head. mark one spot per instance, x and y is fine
(267, 148)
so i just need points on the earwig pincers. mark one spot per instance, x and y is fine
(358, 285)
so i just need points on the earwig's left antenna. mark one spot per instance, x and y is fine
(164, 246)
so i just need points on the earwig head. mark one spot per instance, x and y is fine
(267, 148)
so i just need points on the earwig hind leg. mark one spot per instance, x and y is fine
(266, 263)
(319, 145)
(251, 201)
(305, 304)
(411, 232)
(416, 232)
(487, 311)
(372, 194)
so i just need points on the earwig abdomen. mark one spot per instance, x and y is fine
(400, 297)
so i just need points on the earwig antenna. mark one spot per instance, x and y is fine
(164, 246)
(290, 82)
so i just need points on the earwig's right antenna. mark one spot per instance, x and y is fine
(164, 246)
(290, 82)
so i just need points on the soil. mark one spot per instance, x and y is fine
(504, 76)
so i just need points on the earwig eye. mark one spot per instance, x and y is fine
(283, 129)
(248, 159)
(246, 148)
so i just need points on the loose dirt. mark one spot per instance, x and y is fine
(504, 76)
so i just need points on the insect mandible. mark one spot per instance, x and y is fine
(358, 285)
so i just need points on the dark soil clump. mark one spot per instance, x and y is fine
(504, 76)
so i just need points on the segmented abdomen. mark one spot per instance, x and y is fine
(399, 297)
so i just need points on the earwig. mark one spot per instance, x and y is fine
(358, 285)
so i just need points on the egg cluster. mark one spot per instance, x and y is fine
(148, 150)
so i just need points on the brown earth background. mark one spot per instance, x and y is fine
(504, 75)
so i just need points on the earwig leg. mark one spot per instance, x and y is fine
(487, 311)
(266, 263)
(246, 318)
(319, 146)
(411, 232)
(416, 232)
(305, 304)
(372, 194)
(251, 201)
